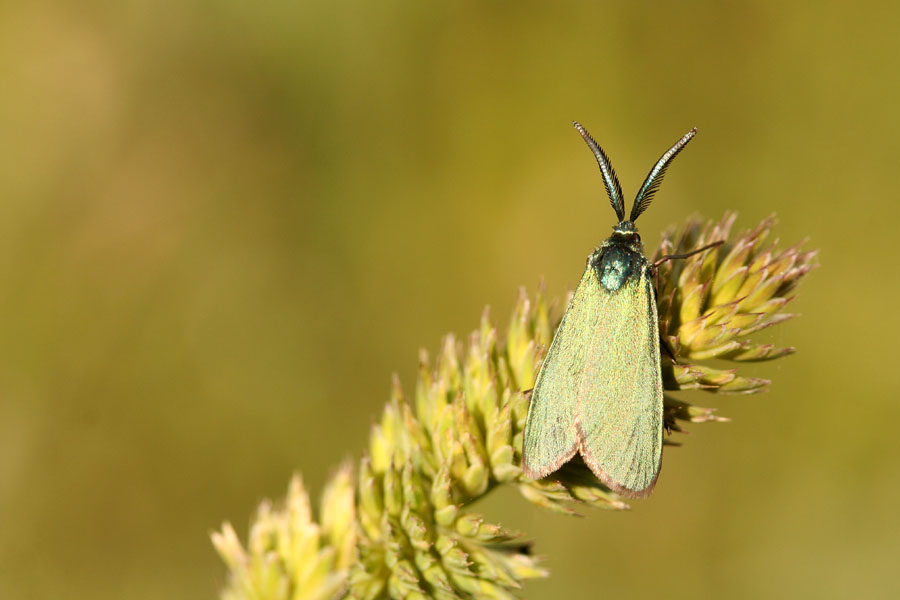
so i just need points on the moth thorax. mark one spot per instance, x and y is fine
(618, 264)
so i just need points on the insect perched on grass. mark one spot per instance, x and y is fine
(599, 391)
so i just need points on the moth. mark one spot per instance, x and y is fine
(599, 390)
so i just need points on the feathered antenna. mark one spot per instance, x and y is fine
(613, 189)
(654, 179)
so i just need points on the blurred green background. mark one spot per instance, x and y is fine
(223, 225)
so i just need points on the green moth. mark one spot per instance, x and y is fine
(599, 390)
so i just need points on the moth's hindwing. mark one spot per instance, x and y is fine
(619, 399)
(550, 435)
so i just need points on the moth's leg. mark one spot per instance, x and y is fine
(665, 346)
(687, 254)
(654, 269)
(663, 342)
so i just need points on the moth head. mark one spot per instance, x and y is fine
(626, 234)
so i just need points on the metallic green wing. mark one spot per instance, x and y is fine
(619, 406)
(550, 434)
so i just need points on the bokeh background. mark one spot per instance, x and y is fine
(223, 225)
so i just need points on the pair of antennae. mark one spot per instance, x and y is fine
(651, 184)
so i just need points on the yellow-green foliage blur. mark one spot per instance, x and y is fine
(223, 225)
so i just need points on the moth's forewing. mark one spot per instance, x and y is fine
(619, 406)
(550, 436)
